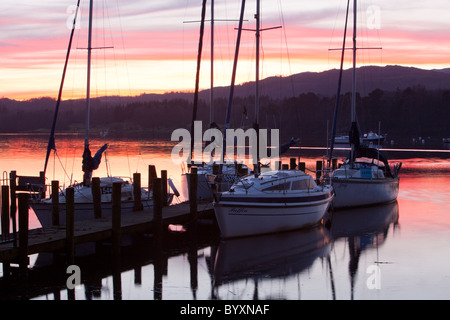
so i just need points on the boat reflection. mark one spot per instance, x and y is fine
(363, 229)
(279, 255)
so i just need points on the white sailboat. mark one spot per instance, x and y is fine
(366, 177)
(83, 191)
(273, 201)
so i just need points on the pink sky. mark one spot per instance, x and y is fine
(154, 51)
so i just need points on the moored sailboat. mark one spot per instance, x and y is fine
(366, 177)
(83, 197)
(272, 201)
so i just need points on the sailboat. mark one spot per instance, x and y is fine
(206, 172)
(273, 201)
(366, 177)
(83, 197)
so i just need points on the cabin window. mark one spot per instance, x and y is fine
(304, 184)
(279, 187)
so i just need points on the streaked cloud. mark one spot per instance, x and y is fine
(154, 50)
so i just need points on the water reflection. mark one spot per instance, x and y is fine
(363, 229)
(270, 256)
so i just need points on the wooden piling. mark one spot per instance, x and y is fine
(157, 202)
(284, 167)
(116, 212)
(151, 175)
(193, 179)
(334, 164)
(164, 187)
(292, 164)
(318, 169)
(97, 197)
(23, 233)
(301, 166)
(5, 210)
(137, 192)
(55, 202)
(13, 205)
(70, 214)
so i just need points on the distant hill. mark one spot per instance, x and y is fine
(388, 78)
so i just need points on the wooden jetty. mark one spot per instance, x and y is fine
(65, 237)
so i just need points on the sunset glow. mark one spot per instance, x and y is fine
(155, 51)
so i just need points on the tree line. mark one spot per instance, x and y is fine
(402, 114)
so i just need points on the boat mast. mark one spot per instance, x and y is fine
(256, 124)
(353, 104)
(88, 87)
(211, 94)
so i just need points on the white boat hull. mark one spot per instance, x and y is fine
(357, 192)
(246, 218)
(84, 210)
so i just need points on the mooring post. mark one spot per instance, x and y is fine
(137, 192)
(157, 203)
(116, 212)
(13, 207)
(164, 187)
(70, 227)
(301, 166)
(318, 170)
(292, 164)
(334, 164)
(55, 202)
(284, 166)
(151, 175)
(23, 233)
(193, 181)
(116, 239)
(96, 197)
(5, 211)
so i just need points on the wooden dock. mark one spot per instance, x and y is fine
(54, 238)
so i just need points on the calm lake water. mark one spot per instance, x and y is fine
(394, 251)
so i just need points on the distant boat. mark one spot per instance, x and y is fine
(370, 139)
(366, 177)
(83, 191)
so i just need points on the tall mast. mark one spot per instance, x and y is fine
(211, 94)
(257, 38)
(88, 88)
(353, 113)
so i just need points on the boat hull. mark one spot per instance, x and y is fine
(357, 192)
(236, 219)
(82, 211)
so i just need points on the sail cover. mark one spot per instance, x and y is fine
(91, 163)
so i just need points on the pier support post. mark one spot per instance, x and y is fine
(5, 211)
(97, 197)
(164, 187)
(301, 166)
(151, 175)
(116, 239)
(292, 164)
(318, 170)
(55, 202)
(137, 192)
(193, 179)
(13, 208)
(23, 234)
(5, 225)
(157, 203)
(70, 227)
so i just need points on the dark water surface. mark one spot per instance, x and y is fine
(394, 251)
